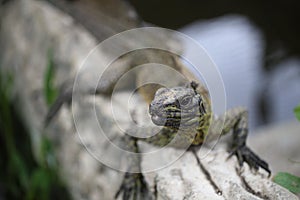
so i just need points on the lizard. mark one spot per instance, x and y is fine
(183, 111)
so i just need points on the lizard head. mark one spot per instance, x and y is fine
(178, 106)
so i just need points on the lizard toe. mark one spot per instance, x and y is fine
(245, 154)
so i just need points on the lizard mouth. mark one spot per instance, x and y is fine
(161, 117)
(165, 119)
(158, 120)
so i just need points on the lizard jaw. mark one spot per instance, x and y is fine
(158, 120)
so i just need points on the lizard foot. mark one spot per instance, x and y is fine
(245, 154)
(134, 187)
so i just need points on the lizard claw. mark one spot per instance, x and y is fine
(244, 154)
(134, 187)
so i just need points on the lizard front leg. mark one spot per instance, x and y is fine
(133, 185)
(237, 120)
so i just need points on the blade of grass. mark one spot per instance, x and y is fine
(50, 92)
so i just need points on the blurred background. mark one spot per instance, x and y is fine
(255, 45)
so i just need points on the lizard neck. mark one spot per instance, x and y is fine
(202, 129)
(193, 134)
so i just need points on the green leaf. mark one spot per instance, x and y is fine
(40, 185)
(297, 112)
(288, 181)
(19, 167)
(50, 91)
(47, 154)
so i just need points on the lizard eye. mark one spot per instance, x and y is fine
(185, 100)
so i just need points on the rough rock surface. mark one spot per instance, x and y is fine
(28, 29)
(279, 144)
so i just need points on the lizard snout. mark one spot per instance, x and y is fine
(156, 115)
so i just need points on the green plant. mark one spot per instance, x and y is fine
(50, 92)
(297, 112)
(286, 180)
(21, 177)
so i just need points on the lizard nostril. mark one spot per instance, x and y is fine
(150, 108)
